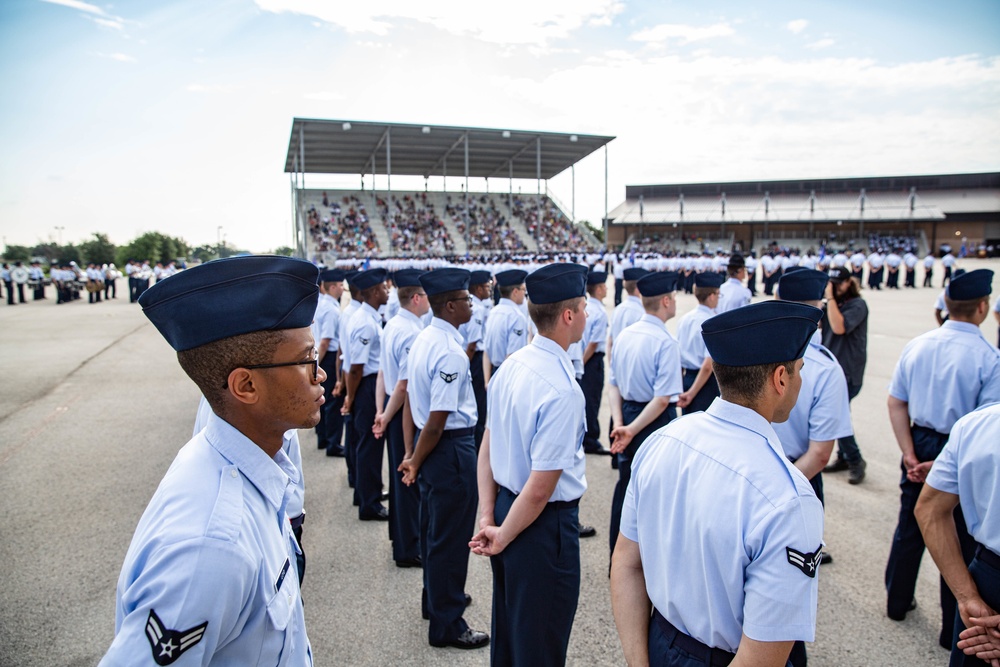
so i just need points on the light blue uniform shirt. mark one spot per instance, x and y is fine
(397, 337)
(729, 531)
(822, 411)
(732, 295)
(596, 330)
(945, 374)
(646, 361)
(535, 414)
(439, 377)
(364, 335)
(326, 322)
(506, 331)
(474, 330)
(693, 350)
(345, 321)
(969, 467)
(575, 353)
(211, 566)
(627, 313)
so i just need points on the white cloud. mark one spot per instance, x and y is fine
(818, 45)
(211, 88)
(520, 22)
(78, 5)
(120, 57)
(684, 33)
(797, 26)
(114, 24)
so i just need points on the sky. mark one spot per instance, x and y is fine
(175, 116)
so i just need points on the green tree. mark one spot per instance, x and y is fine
(284, 250)
(99, 250)
(13, 253)
(596, 231)
(154, 247)
(50, 251)
(69, 253)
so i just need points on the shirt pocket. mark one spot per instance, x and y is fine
(280, 607)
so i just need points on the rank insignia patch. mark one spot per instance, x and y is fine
(364, 341)
(448, 378)
(167, 644)
(806, 562)
(518, 332)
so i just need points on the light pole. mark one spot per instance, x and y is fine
(60, 230)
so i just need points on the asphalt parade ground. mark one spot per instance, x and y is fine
(93, 408)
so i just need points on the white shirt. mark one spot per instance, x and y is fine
(626, 313)
(397, 339)
(364, 339)
(646, 361)
(732, 295)
(692, 345)
(596, 330)
(439, 378)
(506, 331)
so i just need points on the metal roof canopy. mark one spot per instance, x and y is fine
(360, 147)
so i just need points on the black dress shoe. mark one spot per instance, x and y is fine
(468, 639)
(825, 559)
(468, 599)
(335, 451)
(600, 451)
(410, 562)
(385, 495)
(838, 465)
(380, 514)
(902, 617)
(587, 531)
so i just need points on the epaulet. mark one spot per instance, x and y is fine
(826, 352)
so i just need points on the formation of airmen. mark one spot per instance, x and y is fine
(483, 383)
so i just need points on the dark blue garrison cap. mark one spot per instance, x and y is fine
(736, 262)
(445, 280)
(802, 285)
(768, 332)
(708, 279)
(633, 274)
(597, 277)
(480, 277)
(349, 276)
(407, 277)
(556, 282)
(655, 284)
(332, 276)
(793, 269)
(972, 285)
(231, 297)
(370, 278)
(511, 277)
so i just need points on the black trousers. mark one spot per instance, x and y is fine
(331, 423)
(985, 571)
(9, 284)
(404, 501)
(911, 278)
(536, 586)
(631, 410)
(619, 283)
(703, 398)
(368, 476)
(892, 279)
(752, 282)
(592, 384)
(479, 390)
(133, 289)
(669, 646)
(448, 498)
(928, 277)
(39, 291)
(908, 542)
(111, 289)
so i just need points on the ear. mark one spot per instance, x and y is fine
(780, 380)
(241, 386)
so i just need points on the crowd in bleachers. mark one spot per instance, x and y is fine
(887, 242)
(556, 231)
(479, 219)
(343, 227)
(414, 226)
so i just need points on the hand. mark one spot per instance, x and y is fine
(378, 428)
(982, 634)
(488, 542)
(919, 472)
(828, 292)
(685, 399)
(486, 520)
(338, 388)
(620, 439)
(346, 408)
(409, 470)
(910, 462)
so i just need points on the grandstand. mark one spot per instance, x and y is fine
(923, 211)
(329, 224)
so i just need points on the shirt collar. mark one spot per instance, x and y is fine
(705, 309)
(407, 315)
(509, 302)
(446, 327)
(552, 347)
(270, 476)
(372, 313)
(964, 327)
(652, 319)
(632, 297)
(746, 418)
(817, 339)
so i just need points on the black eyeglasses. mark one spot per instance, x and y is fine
(467, 299)
(314, 362)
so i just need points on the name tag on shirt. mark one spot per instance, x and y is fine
(281, 577)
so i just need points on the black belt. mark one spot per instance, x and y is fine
(707, 654)
(554, 504)
(690, 371)
(988, 557)
(297, 521)
(597, 354)
(929, 431)
(458, 432)
(639, 404)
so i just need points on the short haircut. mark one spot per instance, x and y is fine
(355, 292)
(439, 301)
(734, 270)
(630, 286)
(407, 293)
(702, 293)
(592, 289)
(746, 384)
(653, 302)
(209, 365)
(546, 315)
(965, 309)
(506, 291)
(368, 292)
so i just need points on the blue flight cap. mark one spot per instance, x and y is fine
(768, 332)
(407, 277)
(633, 274)
(793, 269)
(231, 297)
(480, 277)
(709, 279)
(802, 285)
(556, 282)
(370, 278)
(332, 276)
(597, 277)
(349, 276)
(511, 277)
(736, 262)
(655, 284)
(972, 285)
(445, 280)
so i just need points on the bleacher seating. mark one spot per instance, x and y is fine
(341, 226)
(481, 222)
(556, 232)
(414, 226)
